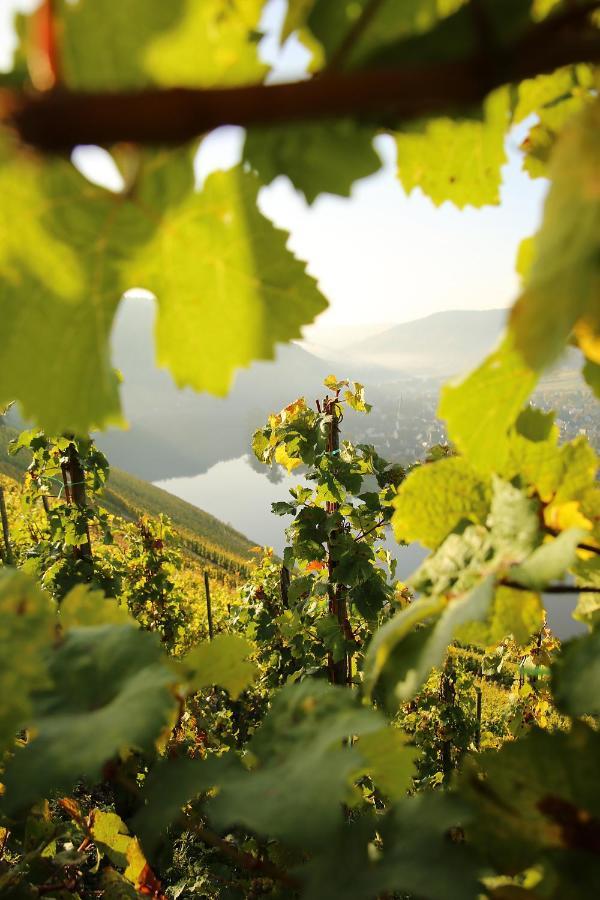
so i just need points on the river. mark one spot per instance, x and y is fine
(238, 493)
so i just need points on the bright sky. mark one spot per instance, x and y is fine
(380, 256)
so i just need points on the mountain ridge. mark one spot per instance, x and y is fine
(441, 344)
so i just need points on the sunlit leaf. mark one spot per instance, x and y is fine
(434, 498)
(227, 288)
(459, 161)
(480, 409)
(565, 273)
(222, 661)
(411, 654)
(141, 42)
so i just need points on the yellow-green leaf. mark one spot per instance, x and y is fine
(224, 662)
(563, 285)
(435, 497)
(480, 410)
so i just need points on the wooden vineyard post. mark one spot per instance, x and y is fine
(209, 616)
(478, 719)
(8, 555)
(340, 671)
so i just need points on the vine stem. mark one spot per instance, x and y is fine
(553, 588)
(590, 548)
(245, 860)
(58, 120)
(377, 525)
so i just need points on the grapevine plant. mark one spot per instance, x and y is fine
(316, 800)
(65, 477)
(335, 571)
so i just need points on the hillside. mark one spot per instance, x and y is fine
(444, 343)
(125, 495)
(176, 432)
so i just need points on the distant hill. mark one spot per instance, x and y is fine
(176, 433)
(125, 495)
(444, 343)
(179, 432)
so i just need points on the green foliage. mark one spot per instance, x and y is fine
(312, 795)
(147, 238)
(338, 589)
(303, 769)
(26, 622)
(110, 694)
(434, 499)
(534, 808)
(182, 45)
(459, 161)
(223, 661)
(564, 272)
(576, 677)
(480, 409)
(318, 159)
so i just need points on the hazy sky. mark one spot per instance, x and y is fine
(379, 256)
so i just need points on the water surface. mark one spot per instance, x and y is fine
(241, 493)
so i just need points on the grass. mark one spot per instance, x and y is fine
(201, 534)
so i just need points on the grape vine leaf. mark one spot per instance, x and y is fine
(169, 787)
(558, 474)
(56, 257)
(26, 629)
(565, 272)
(177, 44)
(425, 827)
(223, 661)
(549, 561)
(518, 613)
(317, 158)
(534, 93)
(533, 805)
(295, 17)
(456, 160)
(110, 835)
(536, 425)
(111, 692)
(83, 606)
(412, 654)
(576, 676)
(434, 498)
(510, 534)
(304, 769)
(227, 288)
(385, 32)
(390, 761)
(480, 409)
(418, 828)
(587, 610)
(587, 571)
(116, 887)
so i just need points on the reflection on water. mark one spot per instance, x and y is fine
(241, 494)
